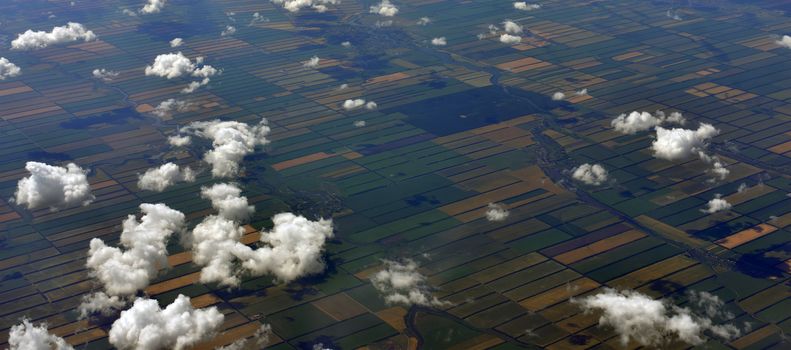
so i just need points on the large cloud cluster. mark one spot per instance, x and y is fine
(30, 40)
(635, 122)
(401, 283)
(636, 316)
(26, 336)
(166, 175)
(145, 326)
(384, 8)
(296, 5)
(175, 65)
(678, 143)
(53, 186)
(153, 6)
(8, 69)
(590, 174)
(292, 248)
(231, 140)
(124, 272)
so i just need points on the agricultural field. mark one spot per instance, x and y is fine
(514, 185)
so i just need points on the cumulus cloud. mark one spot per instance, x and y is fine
(521, 5)
(53, 186)
(590, 174)
(104, 74)
(175, 65)
(635, 122)
(359, 123)
(30, 40)
(635, 316)
(441, 41)
(231, 140)
(100, 303)
(346, 44)
(496, 212)
(124, 272)
(8, 69)
(512, 27)
(179, 140)
(313, 62)
(509, 39)
(229, 30)
(558, 96)
(296, 5)
(357, 103)
(166, 175)
(401, 283)
(26, 336)
(716, 204)
(384, 8)
(176, 42)
(677, 143)
(227, 200)
(170, 106)
(584, 92)
(784, 41)
(423, 21)
(178, 326)
(153, 6)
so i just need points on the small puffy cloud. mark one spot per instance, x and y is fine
(26, 336)
(353, 104)
(178, 326)
(512, 27)
(231, 140)
(153, 6)
(558, 96)
(170, 106)
(124, 272)
(677, 143)
(228, 31)
(784, 41)
(509, 39)
(176, 42)
(258, 341)
(441, 41)
(313, 62)
(296, 5)
(590, 174)
(53, 186)
(637, 317)
(166, 175)
(346, 44)
(175, 65)
(179, 140)
(716, 204)
(30, 40)
(371, 105)
(423, 21)
(584, 92)
(521, 5)
(359, 123)
(104, 74)
(8, 69)
(258, 18)
(401, 283)
(227, 200)
(635, 122)
(384, 8)
(100, 303)
(496, 212)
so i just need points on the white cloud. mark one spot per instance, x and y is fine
(635, 122)
(104, 74)
(343, 87)
(512, 27)
(353, 104)
(176, 42)
(30, 40)
(785, 41)
(174, 65)
(423, 21)
(510, 39)
(313, 62)
(558, 96)
(53, 186)
(216, 247)
(359, 123)
(179, 140)
(371, 105)
(384, 8)
(229, 30)
(129, 12)
(584, 92)
(8, 69)
(401, 283)
(231, 140)
(258, 341)
(167, 107)
(227, 200)
(26, 336)
(496, 212)
(145, 242)
(590, 174)
(257, 18)
(296, 5)
(166, 175)
(100, 303)
(178, 326)
(716, 204)
(153, 6)
(441, 41)
(677, 143)
(525, 6)
(346, 44)
(637, 317)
